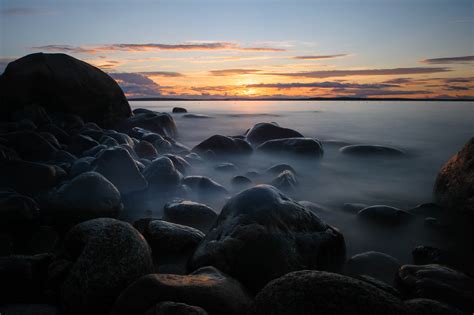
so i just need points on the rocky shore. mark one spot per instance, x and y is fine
(83, 177)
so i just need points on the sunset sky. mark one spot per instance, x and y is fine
(209, 49)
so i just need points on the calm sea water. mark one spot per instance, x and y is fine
(430, 133)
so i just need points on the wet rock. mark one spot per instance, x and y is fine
(30, 145)
(162, 176)
(34, 113)
(454, 185)
(319, 292)
(108, 255)
(262, 132)
(108, 141)
(173, 308)
(375, 264)
(430, 307)
(51, 139)
(204, 187)
(439, 283)
(17, 211)
(95, 150)
(371, 150)
(80, 143)
(146, 150)
(207, 288)
(226, 167)
(68, 122)
(384, 214)
(425, 255)
(120, 137)
(262, 225)
(278, 168)
(59, 82)
(160, 123)
(252, 174)
(240, 182)
(194, 158)
(29, 177)
(198, 116)
(285, 181)
(303, 147)
(87, 196)
(180, 163)
(118, 167)
(196, 215)
(426, 209)
(224, 146)
(81, 165)
(29, 309)
(179, 110)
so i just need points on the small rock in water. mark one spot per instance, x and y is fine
(303, 147)
(190, 213)
(204, 187)
(384, 214)
(285, 181)
(198, 116)
(278, 168)
(262, 132)
(223, 146)
(226, 167)
(240, 182)
(371, 150)
(375, 264)
(179, 110)
(354, 207)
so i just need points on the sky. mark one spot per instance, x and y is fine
(266, 48)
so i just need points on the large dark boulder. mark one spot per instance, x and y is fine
(224, 146)
(59, 82)
(318, 292)
(439, 283)
(190, 213)
(162, 176)
(262, 132)
(454, 186)
(107, 255)
(430, 307)
(302, 147)
(261, 235)
(207, 288)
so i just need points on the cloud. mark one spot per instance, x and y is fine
(459, 80)
(162, 74)
(371, 92)
(136, 84)
(325, 85)
(398, 81)
(319, 57)
(449, 60)
(457, 88)
(229, 72)
(366, 72)
(20, 11)
(155, 46)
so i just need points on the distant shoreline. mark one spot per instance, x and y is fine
(304, 99)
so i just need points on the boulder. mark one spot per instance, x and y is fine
(262, 132)
(285, 181)
(261, 235)
(87, 196)
(224, 146)
(107, 256)
(120, 169)
(29, 177)
(196, 215)
(179, 110)
(173, 308)
(180, 163)
(240, 182)
(430, 307)
(278, 168)
(162, 176)
(439, 283)
(454, 186)
(80, 143)
(320, 292)
(30, 145)
(59, 82)
(384, 214)
(378, 265)
(226, 167)
(302, 147)
(371, 151)
(206, 287)
(160, 123)
(146, 150)
(17, 211)
(204, 187)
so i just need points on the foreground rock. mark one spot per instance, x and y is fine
(380, 266)
(454, 185)
(262, 225)
(302, 147)
(207, 288)
(173, 308)
(224, 146)
(371, 150)
(190, 213)
(439, 283)
(431, 307)
(29, 309)
(107, 256)
(204, 188)
(319, 292)
(262, 132)
(59, 82)
(87, 196)
(162, 176)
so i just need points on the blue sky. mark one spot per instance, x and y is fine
(371, 34)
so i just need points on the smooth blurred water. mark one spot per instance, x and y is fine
(430, 133)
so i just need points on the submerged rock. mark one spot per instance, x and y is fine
(303, 147)
(146, 150)
(179, 110)
(278, 168)
(384, 214)
(108, 255)
(371, 150)
(380, 266)
(430, 307)
(30, 145)
(160, 123)
(222, 146)
(173, 308)
(241, 182)
(162, 176)
(454, 186)
(262, 225)
(226, 167)
(285, 181)
(319, 292)
(59, 82)
(196, 215)
(206, 287)
(262, 132)
(204, 187)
